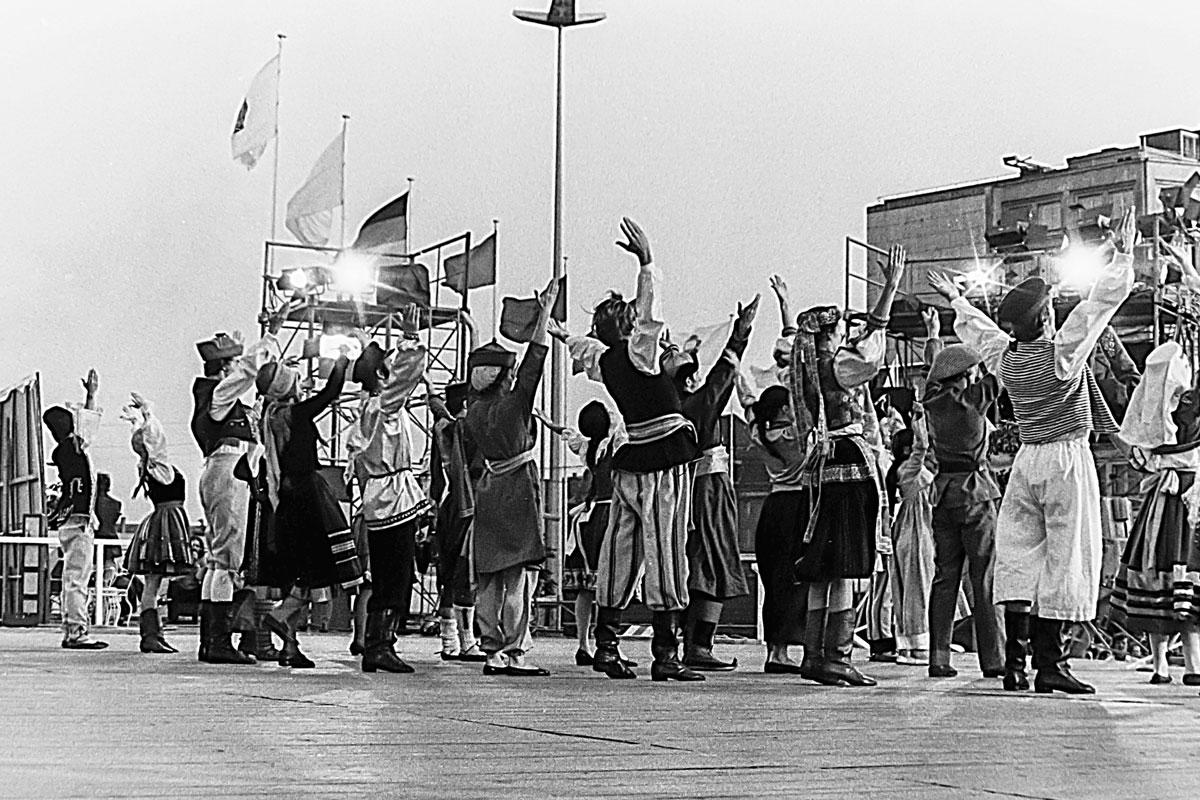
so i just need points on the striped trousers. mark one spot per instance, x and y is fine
(647, 537)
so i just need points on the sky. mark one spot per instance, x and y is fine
(746, 138)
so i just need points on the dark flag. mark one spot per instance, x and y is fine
(401, 283)
(519, 315)
(482, 268)
(387, 226)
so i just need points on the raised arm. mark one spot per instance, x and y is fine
(649, 325)
(1075, 340)
(859, 360)
(407, 367)
(329, 392)
(933, 335)
(787, 321)
(974, 328)
(245, 370)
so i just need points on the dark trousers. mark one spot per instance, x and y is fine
(785, 602)
(967, 533)
(393, 552)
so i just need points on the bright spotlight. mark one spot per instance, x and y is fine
(353, 273)
(294, 280)
(978, 277)
(1079, 266)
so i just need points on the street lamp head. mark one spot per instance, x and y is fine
(562, 14)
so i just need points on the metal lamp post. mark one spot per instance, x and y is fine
(561, 15)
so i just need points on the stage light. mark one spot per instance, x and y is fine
(353, 273)
(303, 281)
(295, 280)
(978, 277)
(1079, 266)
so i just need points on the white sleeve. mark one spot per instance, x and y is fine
(245, 370)
(585, 352)
(977, 330)
(87, 423)
(857, 363)
(649, 326)
(1075, 340)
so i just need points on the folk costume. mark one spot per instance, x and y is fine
(506, 536)
(1158, 583)
(453, 473)
(965, 495)
(1048, 535)
(221, 426)
(653, 474)
(315, 545)
(912, 548)
(161, 547)
(840, 503)
(73, 428)
(715, 573)
(380, 455)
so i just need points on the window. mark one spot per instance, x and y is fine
(1121, 201)
(1049, 214)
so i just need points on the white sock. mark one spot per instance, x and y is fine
(466, 626)
(449, 632)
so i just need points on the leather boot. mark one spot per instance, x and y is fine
(665, 647)
(697, 649)
(378, 651)
(1050, 659)
(202, 652)
(607, 658)
(1016, 645)
(220, 647)
(812, 666)
(839, 644)
(151, 631)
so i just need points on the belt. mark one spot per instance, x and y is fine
(507, 465)
(713, 461)
(658, 428)
(230, 447)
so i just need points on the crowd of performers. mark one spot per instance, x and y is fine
(852, 498)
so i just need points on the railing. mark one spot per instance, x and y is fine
(97, 563)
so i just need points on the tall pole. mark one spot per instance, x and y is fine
(495, 278)
(342, 238)
(408, 214)
(275, 169)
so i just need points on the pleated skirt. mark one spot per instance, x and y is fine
(162, 543)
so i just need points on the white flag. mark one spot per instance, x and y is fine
(257, 123)
(709, 342)
(310, 211)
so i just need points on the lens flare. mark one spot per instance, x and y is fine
(353, 273)
(1079, 266)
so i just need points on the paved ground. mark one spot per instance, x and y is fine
(119, 724)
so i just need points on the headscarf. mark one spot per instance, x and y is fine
(277, 383)
(1148, 421)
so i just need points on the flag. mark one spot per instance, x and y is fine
(402, 282)
(310, 211)
(709, 343)
(482, 268)
(387, 226)
(518, 317)
(256, 123)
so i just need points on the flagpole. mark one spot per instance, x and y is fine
(275, 169)
(408, 214)
(495, 262)
(342, 240)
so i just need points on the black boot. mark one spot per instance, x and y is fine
(378, 652)
(1050, 659)
(1016, 645)
(607, 658)
(148, 626)
(839, 644)
(697, 649)
(665, 647)
(812, 666)
(202, 652)
(220, 647)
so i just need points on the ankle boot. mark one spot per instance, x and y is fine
(148, 626)
(379, 652)
(697, 649)
(665, 647)
(1016, 645)
(220, 647)
(1050, 659)
(607, 658)
(202, 651)
(812, 666)
(839, 645)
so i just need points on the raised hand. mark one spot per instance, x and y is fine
(933, 322)
(637, 242)
(547, 296)
(779, 286)
(944, 285)
(557, 329)
(1125, 234)
(893, 270)
(745, 316)
(91, 383)
(410, 318)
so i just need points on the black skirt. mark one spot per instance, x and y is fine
(843, 539)
(315, 545)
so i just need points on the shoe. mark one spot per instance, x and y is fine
(1158, 680)
(472, 654)
(1191, 679)
(942, 671)
(497, 664)
(520, 668)
(1016, 646)
(665, 646)
(1060, 681)
(607, 658)
(888, 657)
(993, 672)
(812, 666)
(220, 649)
(83, 643)
(912, 661)
(778, 668)
(450, 656)
(151, 633)
(296, 660)
(356, 649)
(698, 649)
(611, 664)
(1016, 681)
(839, 646)
(379, 652)
(583, 658)
(673, 671)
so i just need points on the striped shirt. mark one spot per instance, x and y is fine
(1049, 408)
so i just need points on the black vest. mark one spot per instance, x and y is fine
(208, 432)
(640, 398)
